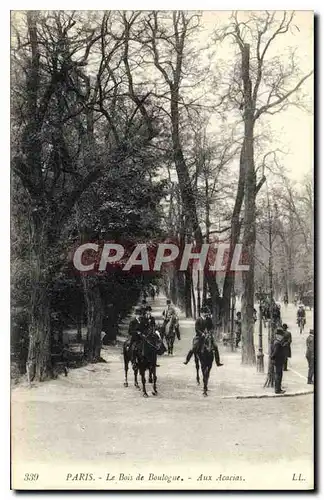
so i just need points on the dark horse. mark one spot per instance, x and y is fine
(128, 359)
(205, 355)
(144, 358)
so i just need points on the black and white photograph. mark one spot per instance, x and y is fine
(162, 330)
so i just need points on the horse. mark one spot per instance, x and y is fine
(127, 354)
(145, 357)
(169, 332)
(205, 355)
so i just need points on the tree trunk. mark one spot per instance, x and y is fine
(249, 235)
(79, 326)
(94, 318)
(39, 365)
(174, 286)
(188, 305)
(198, 293)
(193, 299)
(229, 280)
(214, 293)
(204, 294)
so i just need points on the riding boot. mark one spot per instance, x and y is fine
(217, 358)
(189, 356)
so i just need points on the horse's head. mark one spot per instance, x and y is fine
(208, 341)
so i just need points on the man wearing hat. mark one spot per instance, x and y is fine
(310, 356)
(135, 329)
(169, 314)
(278, 356)
(288, 340)
(203, 323)
(149, 320)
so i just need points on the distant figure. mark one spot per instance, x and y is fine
(310, 356)
(169, 313)
(301, 317)
(285, 299)
(238, 328)
(278, 356)
(288, 340)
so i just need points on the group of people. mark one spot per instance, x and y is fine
(281, 351)
(143, 324)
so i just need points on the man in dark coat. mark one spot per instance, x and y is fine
(149, 320)
(203, 324)
(310, 356)
(288, 340)
(135, 329)
(278, 356)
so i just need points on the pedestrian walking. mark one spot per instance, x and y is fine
(288, 340)
(278, 356)
(310, 356)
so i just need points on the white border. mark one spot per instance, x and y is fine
(5, 156)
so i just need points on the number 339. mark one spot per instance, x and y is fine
(30, 477)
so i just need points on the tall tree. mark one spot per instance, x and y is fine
(263, 89)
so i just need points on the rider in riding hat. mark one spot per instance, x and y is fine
(169, 314)
(150, 320)
(203, 323)
(135, 329)
(301, 314)
(169, 311)
(150, 326)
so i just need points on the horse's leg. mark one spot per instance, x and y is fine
(142, 371)
(204, 371)
(197, 369)
(135, 368)
(208, 368)
(172, 344)
(150, 375)
(154, 380)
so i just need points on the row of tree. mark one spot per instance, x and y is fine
(112, 139)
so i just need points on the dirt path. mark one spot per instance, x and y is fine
(90, 418)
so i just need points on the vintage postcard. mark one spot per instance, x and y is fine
(162, 237)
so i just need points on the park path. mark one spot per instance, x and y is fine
(90, 418)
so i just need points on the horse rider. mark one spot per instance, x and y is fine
(203, 324)
(301, 314)
(136, 329)
(285, 300)
(169, 314)
(149, 320)
(149, 326)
